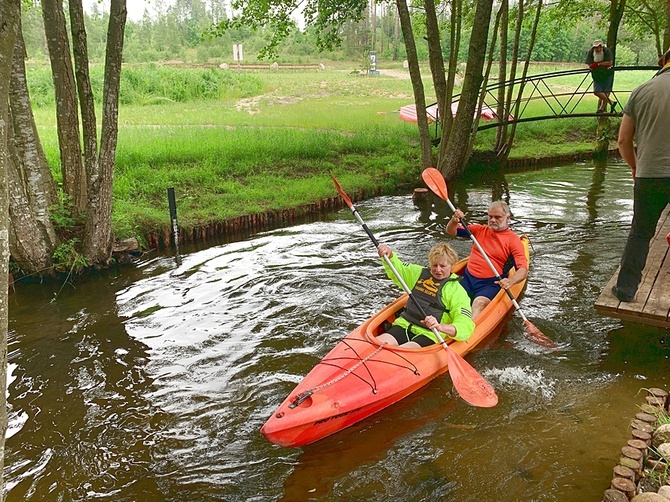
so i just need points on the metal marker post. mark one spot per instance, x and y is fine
(173, 218)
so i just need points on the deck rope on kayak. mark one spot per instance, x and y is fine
(307, 393)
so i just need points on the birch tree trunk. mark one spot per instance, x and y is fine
(10, 13)
(501, 111)
(373, 24)
(502, 144)
(436, 60)
(396, 34)
(454, 46)
(74, 176)
(32, 187)
(98, 237)
(482, 94)
(531, 44)
(417, 84)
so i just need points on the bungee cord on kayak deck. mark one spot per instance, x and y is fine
(300, 398)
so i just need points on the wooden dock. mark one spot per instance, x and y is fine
(652, 302)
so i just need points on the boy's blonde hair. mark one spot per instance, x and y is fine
(442, 250)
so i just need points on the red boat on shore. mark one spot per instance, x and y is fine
(360, 377)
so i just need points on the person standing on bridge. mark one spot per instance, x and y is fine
(600, 60)
(646, 119)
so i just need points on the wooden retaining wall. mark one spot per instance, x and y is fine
(243, 226)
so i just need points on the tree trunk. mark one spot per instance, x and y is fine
(417, 84)
(373, 23)
(666, 35)
(453, 164)
(98, 237)
(29, 246)
(31, 174)
(531, 44)
(74, 177)
(502, 142)
(454, 46)
(396, 34)
(85, 93)
(10, 13)
(482, 94)
(436, 60)
(616, 14)
(501, 111)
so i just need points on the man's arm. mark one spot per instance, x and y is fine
(452, 226)
(517, 276)
(625, 142)
(608, 60)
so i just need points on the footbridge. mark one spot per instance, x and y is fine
(554, 95)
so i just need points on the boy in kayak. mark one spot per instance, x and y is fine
(439, 293)
(503, 248)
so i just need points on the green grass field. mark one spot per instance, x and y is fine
(267, 141)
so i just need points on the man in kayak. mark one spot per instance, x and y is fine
(440, 295)
(501, 245)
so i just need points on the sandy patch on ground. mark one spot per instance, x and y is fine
(395, 73)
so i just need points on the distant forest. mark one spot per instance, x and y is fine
(179, 32)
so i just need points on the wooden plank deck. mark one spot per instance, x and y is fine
(652, 302)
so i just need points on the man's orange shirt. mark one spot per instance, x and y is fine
(499, 246)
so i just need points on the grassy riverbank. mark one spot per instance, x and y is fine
(270, 143)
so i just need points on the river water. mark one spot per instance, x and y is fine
(151, 382)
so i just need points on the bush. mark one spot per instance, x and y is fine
(625, 56)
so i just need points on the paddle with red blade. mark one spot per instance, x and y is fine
(435, 181)
(469, 384)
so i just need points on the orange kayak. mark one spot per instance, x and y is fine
(359, 377)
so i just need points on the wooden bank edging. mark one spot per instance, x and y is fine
(555, 160)
(243, 226)
(639, 459)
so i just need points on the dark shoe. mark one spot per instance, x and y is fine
(613, 107)
(621, 296)
(600, 111)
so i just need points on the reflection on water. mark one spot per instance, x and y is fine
(152, 383)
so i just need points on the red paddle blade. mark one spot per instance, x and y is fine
(536, 336)
(435, 181)
(341, 191)
(469, 384)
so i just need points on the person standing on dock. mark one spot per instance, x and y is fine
(504, 249)
(646, 121)
(600, 60)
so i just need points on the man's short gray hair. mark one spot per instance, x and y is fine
(502, 205)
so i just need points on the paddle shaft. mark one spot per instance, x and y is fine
(397, 275)
(468, 383)
(488, 261)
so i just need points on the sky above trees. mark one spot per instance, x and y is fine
(135, 7)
